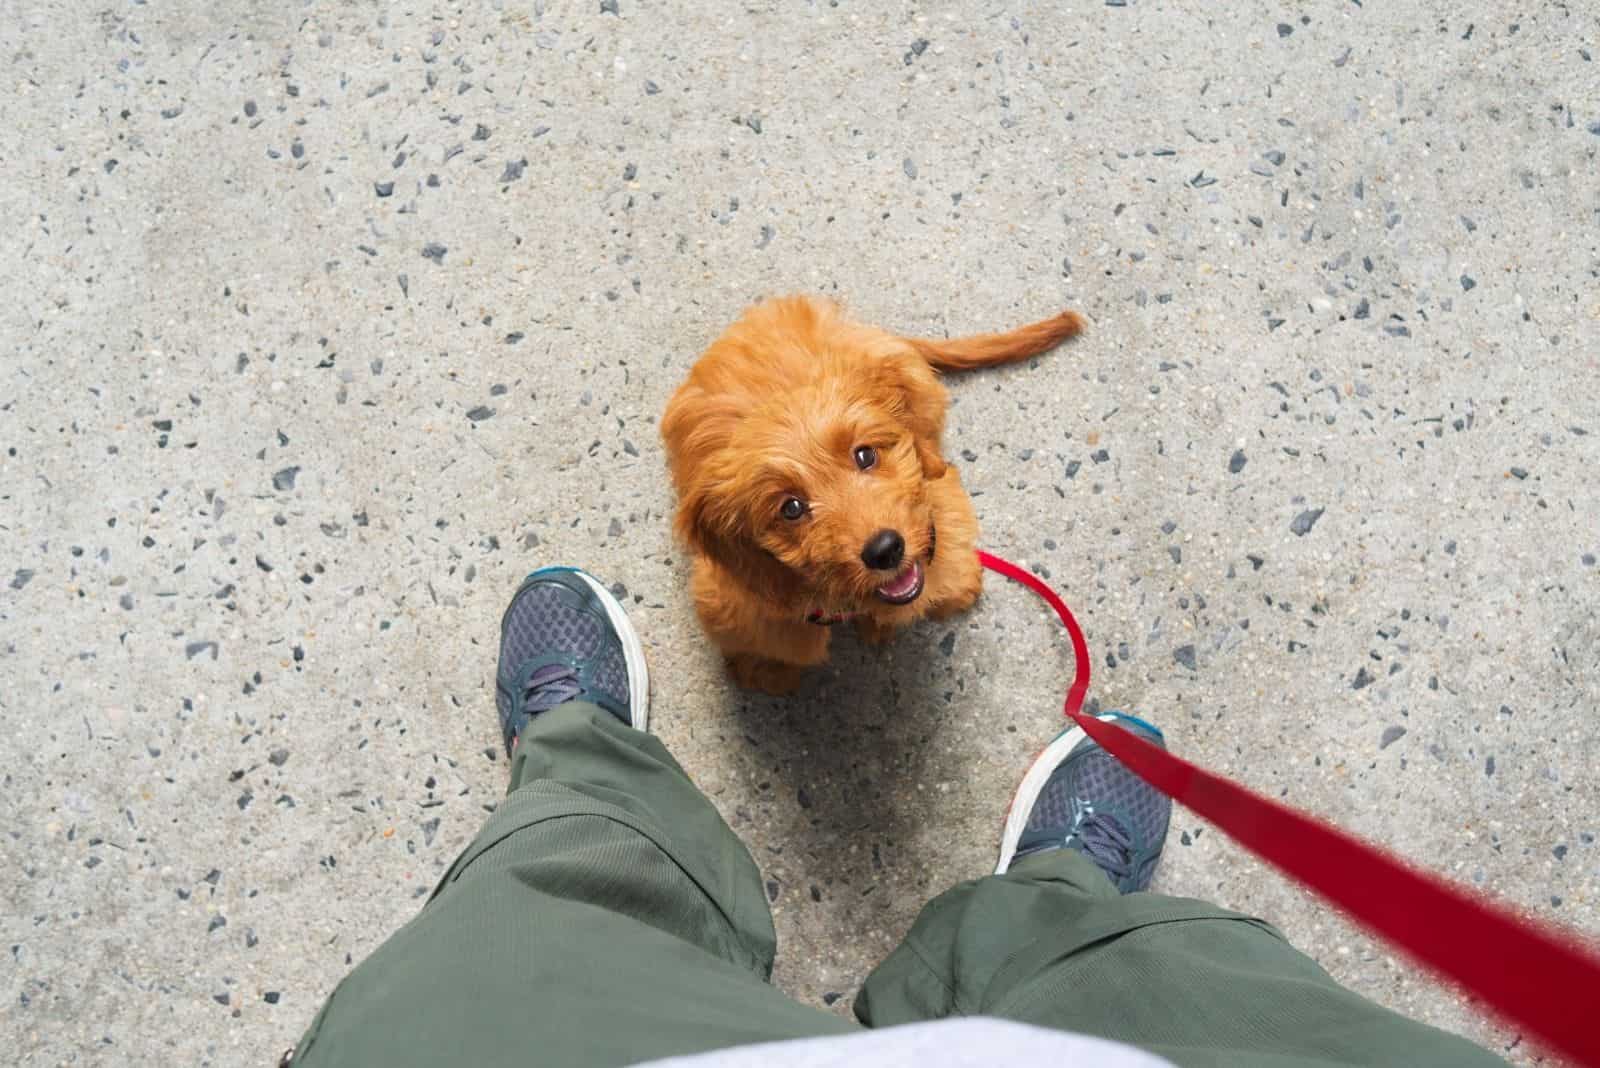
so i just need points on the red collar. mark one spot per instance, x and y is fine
(828, 619)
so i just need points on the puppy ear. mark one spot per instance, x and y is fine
(917, 397)
(708, 523)
(933, 465)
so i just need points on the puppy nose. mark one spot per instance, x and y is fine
(884, 550)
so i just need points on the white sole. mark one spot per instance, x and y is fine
(632, 653)
(1044, 765)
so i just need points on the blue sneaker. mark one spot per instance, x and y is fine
(565, 638)
(1078, 796)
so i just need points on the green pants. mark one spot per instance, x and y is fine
(606, 915)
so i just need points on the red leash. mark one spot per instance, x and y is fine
(1536, 977)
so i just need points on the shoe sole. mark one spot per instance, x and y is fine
(1044, 765)
(632, 648)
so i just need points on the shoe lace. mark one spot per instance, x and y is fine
(549, 686)
(1105, 840)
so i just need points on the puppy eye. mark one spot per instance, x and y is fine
(792, 508)
(866, 457)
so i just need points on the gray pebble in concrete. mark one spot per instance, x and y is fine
(1305, 521)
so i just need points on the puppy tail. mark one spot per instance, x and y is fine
(983, 350)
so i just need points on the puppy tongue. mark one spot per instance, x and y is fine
(904, 584)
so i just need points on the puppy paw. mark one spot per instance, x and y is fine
(768, 676)
(873, 631)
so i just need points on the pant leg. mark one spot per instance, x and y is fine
(604, 915)
(1052, 943)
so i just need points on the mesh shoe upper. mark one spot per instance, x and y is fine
(556, 644)
(1093, 804)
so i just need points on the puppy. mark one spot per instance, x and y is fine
(805, 449)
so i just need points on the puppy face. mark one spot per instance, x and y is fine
(819, 498)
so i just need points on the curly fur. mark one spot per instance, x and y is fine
(776, 407)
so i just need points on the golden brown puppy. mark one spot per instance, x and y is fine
(811, 483)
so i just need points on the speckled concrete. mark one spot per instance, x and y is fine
(329, 321)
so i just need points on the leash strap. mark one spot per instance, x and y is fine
(1536, 977)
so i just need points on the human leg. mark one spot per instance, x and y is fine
(1064, 936)
(604, 915)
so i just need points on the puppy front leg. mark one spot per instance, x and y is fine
(874, 631)
(762, 653)
(772, 677)
(955, 578)
(963, 589)
(773, 658)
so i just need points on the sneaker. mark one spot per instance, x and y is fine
(1078, 796)
(565, 638)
